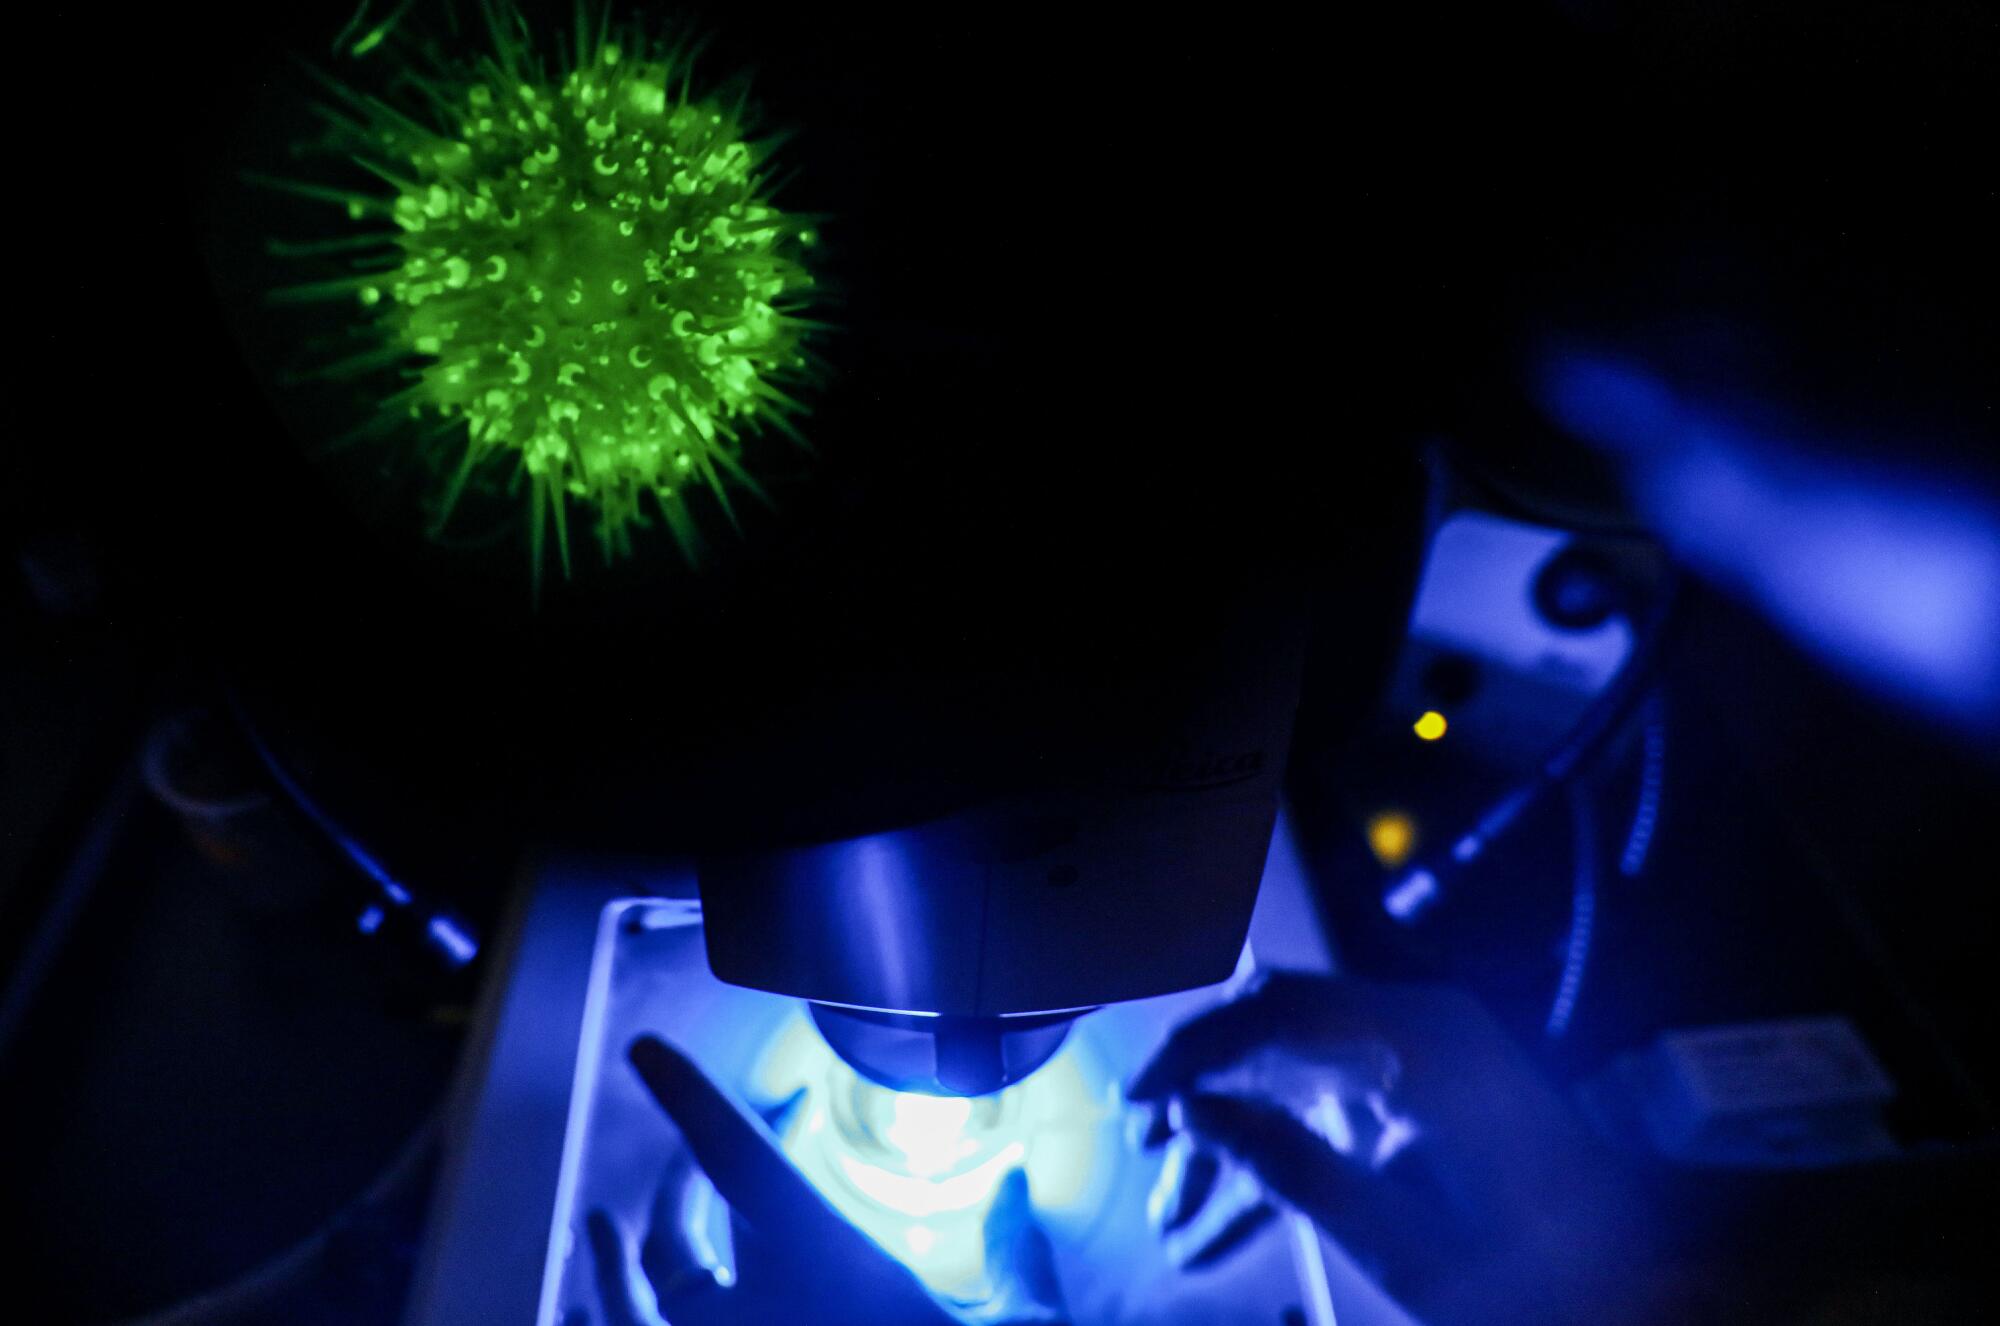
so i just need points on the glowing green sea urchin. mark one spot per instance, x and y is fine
(583, 268)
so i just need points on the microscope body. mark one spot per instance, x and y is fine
(950, 955)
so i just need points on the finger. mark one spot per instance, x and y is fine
(1159, 1129)
(1017, 1245)
(735, 1150)
(858, 1280)
(1242, 1227)
(687, 1249)
(760, 1262)
(1197, 1182)
(1286, 1008)
(1010, 1213)
(612, 1270)
(1408, 1242)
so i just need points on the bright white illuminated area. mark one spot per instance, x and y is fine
(928, 1130)
(918, 1174)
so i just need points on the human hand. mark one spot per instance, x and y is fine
(1498, 1209)
(796, 1259)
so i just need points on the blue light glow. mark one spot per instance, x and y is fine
(1410, 894)
(1311, 1263)
(1652, 780)
(1890, 575)
(1582, 911)
(369, 921)
(451, 940)
(1167, 1183)
(1328, 1118)
(705, 1221)
(917, 1173)
(881, 900)
(930, 1131)
(1477, 598)
(1393, 1133)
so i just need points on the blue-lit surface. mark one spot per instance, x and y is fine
(918, 1174)
(1477, 598)
(1537, 682)
(1888, 574)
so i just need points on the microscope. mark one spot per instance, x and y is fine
(939, 915)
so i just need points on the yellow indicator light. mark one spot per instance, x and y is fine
(1392, 836)
(1431, 726)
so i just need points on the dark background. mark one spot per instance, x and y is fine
(1128, 311)
(1131, 309)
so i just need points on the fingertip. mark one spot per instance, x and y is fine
(648, 1053)
(1220, 1036)
(1258, 1133)
(675, 1080)
(1177, 1064)
(598, 1225)
(1148, 1086)
(1012, 1199)
(610, 1264)
(1197, 1184)
(1010, 1213)
(1160, 1128)
(1300, 1168)
(1017, 1243)
(1216, 1114)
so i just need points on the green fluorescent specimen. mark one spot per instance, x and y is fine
(580, 272)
